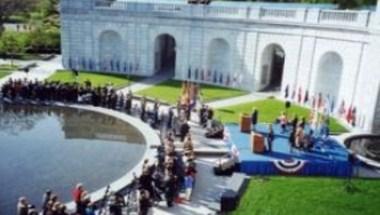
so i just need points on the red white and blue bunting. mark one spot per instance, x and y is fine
(289, 166)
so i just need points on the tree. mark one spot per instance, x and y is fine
(10, 7)
(10, 46)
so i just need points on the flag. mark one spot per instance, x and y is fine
(349, 114)
(332, 105)
(221, 78)
(342, 109)
(299, 94)
(293, 94)
(189, 73)
(353, 117)
(306, 98)
(228, 80)
(286, 91)
(196, 74)
(319, 101)
(313, 102)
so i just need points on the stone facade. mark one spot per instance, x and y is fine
(320, 50)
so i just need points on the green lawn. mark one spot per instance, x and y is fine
(97, 79)
(269, 110)
(171, 90)
(6, 69)
(311, 196)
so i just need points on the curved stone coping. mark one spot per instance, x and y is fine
(366, 160)
(149, 135)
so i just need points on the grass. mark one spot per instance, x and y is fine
(6, 69)
(312, 196)
(269, 110)
(96, 78)
(170, 91)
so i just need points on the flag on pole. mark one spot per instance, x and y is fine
(293, 94)
(349, 114)
(319, 101)
(286, 91)
(299, 94)
(353, 117)
(342, 109)
(306, 98)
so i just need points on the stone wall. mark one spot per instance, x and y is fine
(305, 37)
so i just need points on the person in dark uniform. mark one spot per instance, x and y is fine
(254, 118)
(145, 202)
(270, 138)
(170, 118)
(128, 104)
(184, 130)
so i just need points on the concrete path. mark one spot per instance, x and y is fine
(42, 71)
(147, 82)
(237, 100)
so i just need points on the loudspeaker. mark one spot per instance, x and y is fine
(229, 201)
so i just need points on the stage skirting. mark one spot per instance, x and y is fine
(326, 158)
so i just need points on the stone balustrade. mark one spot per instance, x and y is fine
(315, 16)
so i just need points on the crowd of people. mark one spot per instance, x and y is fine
(169, 178)
(105, 96)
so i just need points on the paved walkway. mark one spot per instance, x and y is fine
(237, 100)
(42, 71)
(147, 82)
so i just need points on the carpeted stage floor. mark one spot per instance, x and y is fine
(326, 158)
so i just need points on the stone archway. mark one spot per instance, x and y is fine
(110, 51)
(272, 68)
(219, 56)
(330, 69)
(165, 54)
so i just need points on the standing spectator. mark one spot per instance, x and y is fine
(210, 116)
(283, 122)
(145, 202)
(254, 118)
(189, 182)
(77, 197)
(45, 200)
(270, 138)
(32, 210)
(170, 118)
(184, 130)
(22, 206)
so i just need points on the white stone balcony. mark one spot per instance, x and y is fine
(307, 16)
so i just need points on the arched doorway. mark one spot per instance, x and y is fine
(219, 56)
(165, 54)
(329, 75)
(110, 51)
(272, 68)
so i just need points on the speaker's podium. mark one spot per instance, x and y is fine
(245, 123)
(257, 143)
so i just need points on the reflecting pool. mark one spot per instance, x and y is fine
(57, 147)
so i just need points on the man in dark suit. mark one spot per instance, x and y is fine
(254, 118)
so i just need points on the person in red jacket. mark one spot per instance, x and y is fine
(77, 197)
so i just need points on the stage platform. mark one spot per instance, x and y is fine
(326, 158)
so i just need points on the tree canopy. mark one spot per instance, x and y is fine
(10, 7)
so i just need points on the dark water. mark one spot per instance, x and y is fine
(51, 147)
